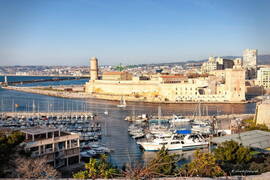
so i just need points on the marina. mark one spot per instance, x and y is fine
(114, 128)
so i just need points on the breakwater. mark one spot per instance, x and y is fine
(56, 93)
(43, 80)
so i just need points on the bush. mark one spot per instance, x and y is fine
(233, 153)
(97, 168)
(204, 165)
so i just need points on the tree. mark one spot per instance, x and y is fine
(164, 164)
(250, 125)
(233, 153)
(119, 68)
(8, 148)
(204, 164)
(34, 168)
(97, 168)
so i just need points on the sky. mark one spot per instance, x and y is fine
(69, 32)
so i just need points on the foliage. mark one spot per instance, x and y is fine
(204, 164)
(119, 68)
(233, 153)
(250, 124)
(164, 164)
(97, 168)
(260, 163)
(8, 147)
(34, 168)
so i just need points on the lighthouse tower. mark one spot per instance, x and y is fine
(94, 68)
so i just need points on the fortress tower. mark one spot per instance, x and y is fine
(94, 68)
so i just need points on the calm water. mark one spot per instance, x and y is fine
(114, 126)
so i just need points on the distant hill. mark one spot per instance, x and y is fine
(264, 59)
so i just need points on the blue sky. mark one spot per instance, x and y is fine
(68, 32)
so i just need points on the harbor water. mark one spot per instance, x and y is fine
(114, 127)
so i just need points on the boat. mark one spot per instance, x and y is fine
(122, 103)
(138, 135)
(88, 153)
(204, 129)
(106, 112)
(175, 142)
(179, 119)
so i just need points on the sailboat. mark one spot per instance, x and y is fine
(122, 103)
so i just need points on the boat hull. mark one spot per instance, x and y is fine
(173, 147)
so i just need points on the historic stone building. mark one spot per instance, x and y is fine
(172, 88)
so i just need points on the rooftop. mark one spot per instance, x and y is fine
(39, 130)
(173, 76)
(254, 139)
(113, 73)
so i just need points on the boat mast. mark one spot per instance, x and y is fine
(200, 112)
(159, 112)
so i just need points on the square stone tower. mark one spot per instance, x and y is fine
(235, 85)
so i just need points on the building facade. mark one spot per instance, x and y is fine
(59, 148)
(217, 64)
(173, 89)
(250, 57)
(116, 76)
(94, 68)
(263, 77)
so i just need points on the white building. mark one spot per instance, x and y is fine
(250, 57)
(263, 77)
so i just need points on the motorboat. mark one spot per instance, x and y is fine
(88, 153)
(138, 135)
(179, 119)
(175, 142)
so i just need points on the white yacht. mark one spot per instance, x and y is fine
(179, 119)
(122, 103)
(175, 142)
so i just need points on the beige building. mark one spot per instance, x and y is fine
(250, 57)
(263, 77)
(172, 88)
(217, 64)
(94, 68)
(117, 76)
(60, 148)
(262, 115)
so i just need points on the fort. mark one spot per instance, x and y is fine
(168, 88)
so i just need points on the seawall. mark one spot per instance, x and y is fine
(72, 94)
